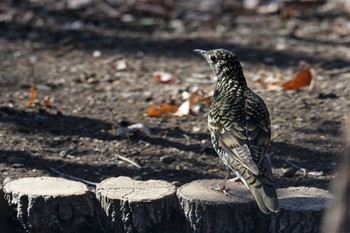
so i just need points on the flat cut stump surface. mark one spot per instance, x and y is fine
(207, 210)
(137, 206)
(203, 190)
(301, 210)
(125, 188)
(46, 186)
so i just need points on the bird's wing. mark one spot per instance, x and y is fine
(246, 140)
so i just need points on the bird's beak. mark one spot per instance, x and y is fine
(201, 52)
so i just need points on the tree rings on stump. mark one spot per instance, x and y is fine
(207, 210)
(137, 206)
(301, 210)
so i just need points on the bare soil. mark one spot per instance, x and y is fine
(73, 56)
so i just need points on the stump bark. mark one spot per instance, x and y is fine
(210, 211)
(336, 219)
(48, 204)
(137, 206)
(301, 210)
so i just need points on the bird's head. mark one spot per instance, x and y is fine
(224, 63)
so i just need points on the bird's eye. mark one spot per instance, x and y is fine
(212, 58)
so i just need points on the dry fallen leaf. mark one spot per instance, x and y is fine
(268, 80)
(161, 110)
(31, 96)
(189, 105)
(163, 77)
(32, 92)
(46, 104)
(184, 109)
(301, 79)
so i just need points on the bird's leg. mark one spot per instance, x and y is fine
(236, 179)
(222, 186)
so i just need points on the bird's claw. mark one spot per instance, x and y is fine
(222, 189)
(236, 179)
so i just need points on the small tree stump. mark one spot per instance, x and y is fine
(207, 210)
(48, 204)
(301, 210)
(137, 206)
(336, 218)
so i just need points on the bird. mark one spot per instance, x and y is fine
(240, 129)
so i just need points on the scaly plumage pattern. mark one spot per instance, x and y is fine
(239, 124)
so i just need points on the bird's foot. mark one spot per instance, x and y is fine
(236, 179)
(223, 189)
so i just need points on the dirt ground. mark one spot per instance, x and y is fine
(99, 70)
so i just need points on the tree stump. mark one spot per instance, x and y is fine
(137, 206)
(336, 218)
(48, 204)
(301, 210)
(207, 210)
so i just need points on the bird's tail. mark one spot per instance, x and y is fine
(262, 186)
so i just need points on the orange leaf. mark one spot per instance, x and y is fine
(33, 101)
(161, 110)
(301, 79)
(193, 98)
(197, 98)
(28, 103)
(32, 92)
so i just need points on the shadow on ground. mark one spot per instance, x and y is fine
(105, 33)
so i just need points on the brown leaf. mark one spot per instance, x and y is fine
(198, 98)
(47, 102)
(161, 110)
(31, 103)
(301, 79)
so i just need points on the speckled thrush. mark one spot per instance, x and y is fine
(239, 124)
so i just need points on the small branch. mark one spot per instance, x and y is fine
(128, 161)
(113, 114)
(107, 9)
(73, 177)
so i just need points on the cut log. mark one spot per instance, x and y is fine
(301, 210)
(48, 204)
(209, 211)
(7, 225)
(137, 206)
(336, 219)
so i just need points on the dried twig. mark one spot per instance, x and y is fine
(113, 114)
(128, 161)
(107, 9)
(73, 177)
